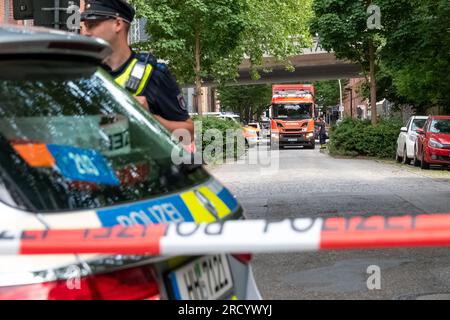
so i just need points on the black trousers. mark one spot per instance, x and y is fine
(323, 138)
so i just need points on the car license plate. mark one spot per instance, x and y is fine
(292, 140)
(207, 278)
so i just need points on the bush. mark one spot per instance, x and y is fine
(222, 125)
(360, 138)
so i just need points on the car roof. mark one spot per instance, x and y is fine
(440, 117)
(19, 41)
(420, 117)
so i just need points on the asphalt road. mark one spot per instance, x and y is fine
(309, 183)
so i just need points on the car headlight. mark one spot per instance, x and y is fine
(310, 135)
(435, 144)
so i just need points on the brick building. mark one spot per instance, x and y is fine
(358, 107)
(6, 13)
(355, 105)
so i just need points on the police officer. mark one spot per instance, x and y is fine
(322, 133)
(150, 82)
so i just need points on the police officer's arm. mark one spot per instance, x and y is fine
(174, 125)
(165, 101)
(170, 125)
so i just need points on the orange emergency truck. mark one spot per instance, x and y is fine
(292, 116)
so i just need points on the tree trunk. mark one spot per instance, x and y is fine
(373, 84)
(247, 114)
(198, 77)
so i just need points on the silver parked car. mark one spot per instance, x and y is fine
(407, 139)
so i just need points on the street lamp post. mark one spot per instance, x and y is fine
(56, 17)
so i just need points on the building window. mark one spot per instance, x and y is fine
(188, 94)
(137, 31)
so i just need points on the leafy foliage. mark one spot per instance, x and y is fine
(343, 27)
(361, 138)
(229, 30)
(413, 46)
(212, 123)
(417, 53)
(246, 101)
(174, 24)
(327, 92)
(279, 28)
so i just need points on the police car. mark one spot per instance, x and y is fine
(77, 151)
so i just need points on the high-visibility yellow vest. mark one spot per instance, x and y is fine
(124, 76)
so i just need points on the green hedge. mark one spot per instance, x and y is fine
(360, 138)
(221, 125)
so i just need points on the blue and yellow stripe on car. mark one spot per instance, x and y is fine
(206, 203)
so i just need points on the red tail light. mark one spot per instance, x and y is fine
(128, 284)
(244, 258)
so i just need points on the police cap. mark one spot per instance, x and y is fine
(101, 9)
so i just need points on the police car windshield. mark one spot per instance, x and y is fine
(72, 139)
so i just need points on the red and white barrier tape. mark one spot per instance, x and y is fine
(241, 236)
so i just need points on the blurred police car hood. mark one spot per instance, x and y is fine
(40, 41)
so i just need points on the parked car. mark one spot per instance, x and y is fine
(407, 139)
(249, 132)
(265, 129)
(257, 127)
(433, 143)
(251, 136)
(78, 151)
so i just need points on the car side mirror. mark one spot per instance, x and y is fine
(420, 131)
(404, 129)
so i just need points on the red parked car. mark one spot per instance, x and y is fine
(433, 143)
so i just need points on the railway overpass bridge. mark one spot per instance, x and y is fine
(313, 64)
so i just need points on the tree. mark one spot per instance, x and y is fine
(210, 38)
(247, 101)
(346, 28)
(279, 28)
(197, 37)
(386, 88)
(327, 93)
(417, 53)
